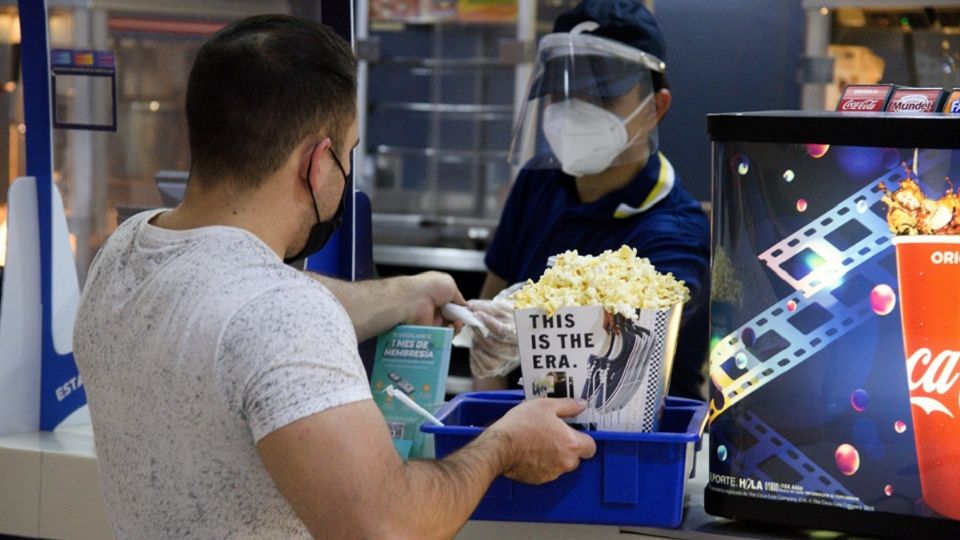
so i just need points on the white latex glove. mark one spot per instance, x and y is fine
(495, 354)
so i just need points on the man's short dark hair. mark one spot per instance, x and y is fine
(260, 86)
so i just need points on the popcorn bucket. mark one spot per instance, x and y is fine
(620, 366)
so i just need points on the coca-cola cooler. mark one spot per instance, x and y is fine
(835, 384)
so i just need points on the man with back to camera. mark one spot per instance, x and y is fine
(593, 179)
(227, 395)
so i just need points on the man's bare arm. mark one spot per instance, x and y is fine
(343, 477)
(376, 305)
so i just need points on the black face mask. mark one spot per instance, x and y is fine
(322, 230)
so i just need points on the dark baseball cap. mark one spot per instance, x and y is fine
(625, 21)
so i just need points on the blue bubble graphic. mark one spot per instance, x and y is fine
(859, 400)
(890, 157)
(748, 336)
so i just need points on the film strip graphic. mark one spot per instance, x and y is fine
(773, 458)
(823, 308)
(815, 238)
(738, 369)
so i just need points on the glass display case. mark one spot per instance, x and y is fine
(832, 378)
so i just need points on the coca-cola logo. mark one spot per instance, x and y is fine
(912, 102)
(934, 375)
(860, 105)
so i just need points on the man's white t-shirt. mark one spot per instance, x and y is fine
(193, 345)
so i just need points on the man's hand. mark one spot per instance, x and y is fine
(496, 354)
(541, 445)
(429, 291)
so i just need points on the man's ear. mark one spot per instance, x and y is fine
(662, 99)
(310, 159)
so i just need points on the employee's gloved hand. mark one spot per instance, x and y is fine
(497, 353)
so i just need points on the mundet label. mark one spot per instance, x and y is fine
(915, 100)
(864, 98)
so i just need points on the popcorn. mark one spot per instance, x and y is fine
(725, 285)
(911, 212)
(618, 280)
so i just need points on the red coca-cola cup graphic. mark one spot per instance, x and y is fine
(928, 269)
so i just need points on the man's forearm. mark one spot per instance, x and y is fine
(374, 305)
(531, 444)
(343, 477)
(449, 489)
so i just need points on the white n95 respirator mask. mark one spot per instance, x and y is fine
(586, 138)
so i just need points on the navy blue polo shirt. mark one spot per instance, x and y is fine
(544, 216)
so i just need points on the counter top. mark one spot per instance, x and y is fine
(696, 525)
(49, 486)
(49, 489)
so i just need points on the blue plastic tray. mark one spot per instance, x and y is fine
(634, 478)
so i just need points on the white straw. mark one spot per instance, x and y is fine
(412, 405)
(456, 312)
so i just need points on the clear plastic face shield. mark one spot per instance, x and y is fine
(590, 107)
